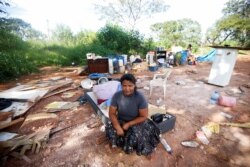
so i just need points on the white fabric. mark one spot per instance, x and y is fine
(106, 90)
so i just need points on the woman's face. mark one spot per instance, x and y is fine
(128, 87)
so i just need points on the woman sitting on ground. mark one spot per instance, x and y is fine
(130, 127)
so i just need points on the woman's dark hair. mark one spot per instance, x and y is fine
(128, 77)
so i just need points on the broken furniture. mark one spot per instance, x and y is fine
(160, 80)
(161, 53)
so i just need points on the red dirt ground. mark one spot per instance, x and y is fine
(77, 145)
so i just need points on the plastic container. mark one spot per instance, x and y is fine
(121, 69)
(166, 145)
(125, 59)
(166, 123)
(201, 136)
(115, 62)
(120, 62)
(214, 97)
(111, 70)
(150, 58)
(184, 55)
(110, 62)
(227, 101)
(152, 68)
(190, 144)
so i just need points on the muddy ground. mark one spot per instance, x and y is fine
(79, 142)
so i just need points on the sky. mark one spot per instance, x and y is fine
(44, 15)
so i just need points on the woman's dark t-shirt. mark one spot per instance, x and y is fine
(128, 106)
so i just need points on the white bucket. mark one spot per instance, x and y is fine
(111, 70)
(122, 69)
(110, 63)
(125, 58)
(120, 62)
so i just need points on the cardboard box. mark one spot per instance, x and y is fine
(167, 123)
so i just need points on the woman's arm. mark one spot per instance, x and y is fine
(143, 115)
(114, 120)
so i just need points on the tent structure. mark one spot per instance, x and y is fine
(208, 57)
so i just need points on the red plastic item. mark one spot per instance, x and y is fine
(227, 101)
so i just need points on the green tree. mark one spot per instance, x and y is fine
(20, 28)
(130, 12)
(179, 32)
(63, 35)
(148, 45)
(234, 27)
(115, 38)
(85, 37)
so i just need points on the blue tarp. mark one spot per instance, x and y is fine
(208, 57)
(98, 75)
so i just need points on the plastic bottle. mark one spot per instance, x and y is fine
(214, 97)
(190, 143)
(201, 136)
(166, 146)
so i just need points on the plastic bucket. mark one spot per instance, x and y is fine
(110, 62)
(125, 59)
(184, 55)
(152, 68)
(115, 62)
(120, 62)
(111, 70)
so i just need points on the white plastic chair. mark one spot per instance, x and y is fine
(160, 80)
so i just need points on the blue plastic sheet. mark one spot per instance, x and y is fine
(208, 57)
(97, 75)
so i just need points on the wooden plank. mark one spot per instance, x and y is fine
(16, 93)
(5, 115)
(11, 123)
(19, 108)
(61, 91)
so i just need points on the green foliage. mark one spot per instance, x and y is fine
(118, 40)
(14, 65)
(234, 27)
(85, 37)
(22, 54)
(18, 27)
(180, 32)
(13, 60)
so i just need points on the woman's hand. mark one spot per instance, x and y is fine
(125, 126)
(115, 123)
(120, 131)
